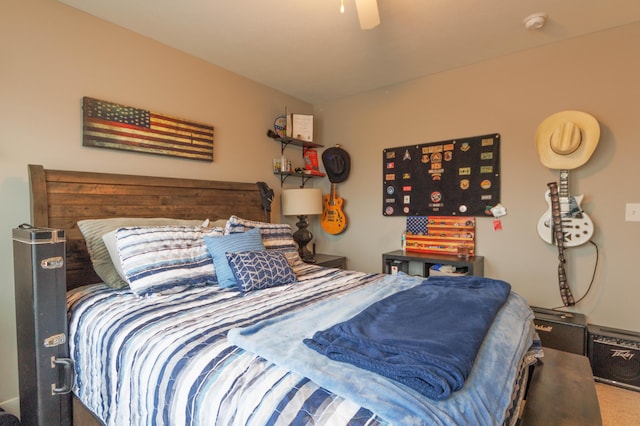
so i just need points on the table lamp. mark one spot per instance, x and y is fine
(302, 202)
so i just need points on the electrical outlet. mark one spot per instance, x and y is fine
(632, 213)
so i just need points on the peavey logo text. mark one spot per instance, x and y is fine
(624, 354)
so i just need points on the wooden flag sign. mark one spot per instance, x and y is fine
(115, 126)
(440, 234)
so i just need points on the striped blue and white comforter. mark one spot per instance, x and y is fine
(165, 360)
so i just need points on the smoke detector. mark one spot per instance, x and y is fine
(535, 21)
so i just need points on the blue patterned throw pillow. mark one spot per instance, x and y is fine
(220, 246)
(255, 270)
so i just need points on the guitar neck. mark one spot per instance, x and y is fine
(332, 196)
(563, 190)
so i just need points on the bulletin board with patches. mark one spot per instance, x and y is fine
(447, 178)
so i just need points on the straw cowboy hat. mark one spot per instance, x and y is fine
(337, 164)
(566, 139)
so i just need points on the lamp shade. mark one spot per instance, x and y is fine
(302, 201)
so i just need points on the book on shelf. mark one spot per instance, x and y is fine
(311, 164)
(310, 159)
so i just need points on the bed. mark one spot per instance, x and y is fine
(166, 355)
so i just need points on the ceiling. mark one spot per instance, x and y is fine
(307, 49)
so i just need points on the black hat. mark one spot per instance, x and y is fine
(337, 164)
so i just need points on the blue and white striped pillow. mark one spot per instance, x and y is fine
(94, 230)
(255, 270)
(275, 236)
(163, 258)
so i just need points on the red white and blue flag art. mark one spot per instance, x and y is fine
(115, 126)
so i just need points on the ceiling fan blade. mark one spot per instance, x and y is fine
(368, 13)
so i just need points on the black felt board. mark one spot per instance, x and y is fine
(448, 178)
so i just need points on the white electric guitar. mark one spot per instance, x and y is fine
(577, 226)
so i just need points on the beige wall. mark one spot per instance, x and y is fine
(53, 55)
(511, 95)
(50, 57)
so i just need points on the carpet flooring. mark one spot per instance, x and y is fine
(618, 406)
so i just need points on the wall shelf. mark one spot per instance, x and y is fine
(285, 141)
(305, 178)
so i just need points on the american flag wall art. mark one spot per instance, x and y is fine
(115, 126)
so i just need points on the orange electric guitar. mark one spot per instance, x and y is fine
(333, 220)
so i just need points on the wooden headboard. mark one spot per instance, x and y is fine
(59, 199)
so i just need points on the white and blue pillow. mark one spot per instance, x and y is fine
(275, 236)
(165, 258)
(93, 231)
(219, 246)
(256, 270)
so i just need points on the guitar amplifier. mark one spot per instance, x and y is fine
(565, 331)
(45, 373)
(615, 356)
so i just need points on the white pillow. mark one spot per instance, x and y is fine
(109, 240)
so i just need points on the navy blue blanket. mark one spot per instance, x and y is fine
(426, 337)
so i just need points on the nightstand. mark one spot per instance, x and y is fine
(330, 261)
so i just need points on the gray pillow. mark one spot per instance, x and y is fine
(93, 230)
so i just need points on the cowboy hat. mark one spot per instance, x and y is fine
(337, 164)
(566, 139)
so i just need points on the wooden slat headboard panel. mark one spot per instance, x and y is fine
(59, 199)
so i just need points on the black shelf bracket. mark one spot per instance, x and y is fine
(285, 175)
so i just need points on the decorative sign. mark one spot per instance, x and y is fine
(459, 177)
(110, 125)
(441, 234)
